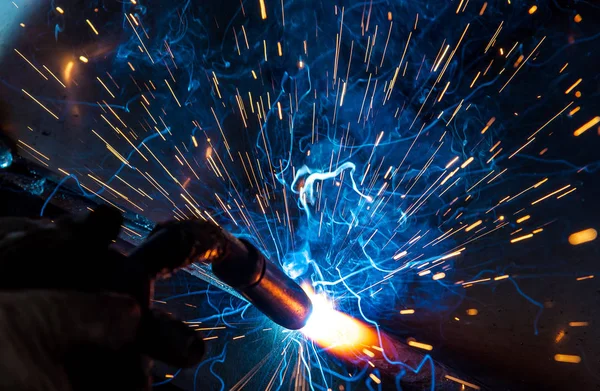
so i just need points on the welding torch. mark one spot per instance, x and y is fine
(235, 262)
(73, 254)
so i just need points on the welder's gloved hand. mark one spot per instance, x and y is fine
(56, 317)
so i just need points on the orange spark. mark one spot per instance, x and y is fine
(420, 345)
(568, 358)
(586, 126)
(587, 235)
(263, 10)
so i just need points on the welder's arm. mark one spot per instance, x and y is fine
(59, 329)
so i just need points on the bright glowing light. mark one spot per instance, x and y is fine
(568, 358)
(68, 71)
(588, 125)
(263, 9)
(579, 324)
(335, 331)
(587, 235)
(420, 345)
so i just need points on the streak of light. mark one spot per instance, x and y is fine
(386, 44)
(435, 68)
(451, 162)
(585, 278)
(501, 277)
(550, 120)
(483, 8)
(550, 195)
(467, 162)
(34, 150)
(438, 276)
(443, 92)
(131, 187)
(573, 86)
(265, 50)
(567, 193)
(105, 87)
(375, 378)
(520, 149)
(40, 103)
(31, 64)
(481, 180)
(130, 231)
(472, 312)
(577, 18)
(263, 9)
(407, 312)
(487, 126)
(532, 9)
(579, 324)
(567, 358)
(33, 156)
(476, 282)
(493, 39)
(586, 126)
(587, 235)
(238, 337)
(522, 219)
(420, 345)
(561, 334)
(172, 92)
(102, 198)
(92, 27)
(520, 238)
(475, 224)
(459, 381)
(83, 59)
(60, 10)
(54, 76)
(210, 328)
(399, 255)
(475, 79)
(521, 66)
(139, 38)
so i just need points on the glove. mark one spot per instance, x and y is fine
(55, 277)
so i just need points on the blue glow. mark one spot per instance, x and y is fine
(380, 152)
